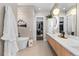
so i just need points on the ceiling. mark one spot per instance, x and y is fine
(45, 8)
(67, 6)
(40, 7)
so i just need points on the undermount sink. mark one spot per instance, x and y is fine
(72, 43)
(76, 46)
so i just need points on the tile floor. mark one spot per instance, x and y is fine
(39, 48)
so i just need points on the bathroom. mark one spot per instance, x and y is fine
(25, 16)
(59, 19)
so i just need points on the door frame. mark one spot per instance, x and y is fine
(44, 35)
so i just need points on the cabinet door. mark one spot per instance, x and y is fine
(55, 46)
(58, 49)
(64, 52)
(51, 42)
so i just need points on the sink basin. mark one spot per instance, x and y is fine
(74, 37)
(71, 42)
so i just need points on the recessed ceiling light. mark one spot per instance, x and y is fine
(39, 8)
(64, 8)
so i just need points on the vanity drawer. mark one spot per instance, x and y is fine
(65, 52)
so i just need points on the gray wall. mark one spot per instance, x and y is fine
(1, 28)
(77, 19)
(27, 14)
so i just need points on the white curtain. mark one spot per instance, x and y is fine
(10, 32)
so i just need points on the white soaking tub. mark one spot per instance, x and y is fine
(22, 42)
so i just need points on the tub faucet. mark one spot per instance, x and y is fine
(19, 35)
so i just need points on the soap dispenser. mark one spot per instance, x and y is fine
(63, 34)
(72, 33)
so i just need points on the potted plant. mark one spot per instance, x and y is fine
(49, 16)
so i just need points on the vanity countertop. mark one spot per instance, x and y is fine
(71, 43)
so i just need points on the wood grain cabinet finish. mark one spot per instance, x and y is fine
(60, 50)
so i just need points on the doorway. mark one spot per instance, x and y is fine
(39, 27)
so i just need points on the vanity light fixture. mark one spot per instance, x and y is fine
(64, 8)
(56, 11)
(73, 11)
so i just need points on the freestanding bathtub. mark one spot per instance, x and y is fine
(22, 42)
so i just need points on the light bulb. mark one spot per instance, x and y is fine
(39, 8)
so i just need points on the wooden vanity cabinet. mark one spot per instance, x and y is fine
(60, 50)
(64, 52)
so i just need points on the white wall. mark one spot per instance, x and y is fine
(50, 25)
(77, 19)
(65, 24)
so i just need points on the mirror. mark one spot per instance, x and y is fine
(72, 21)
(55, 24)
(67, 21)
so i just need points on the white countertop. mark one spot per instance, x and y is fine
(71, 43)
